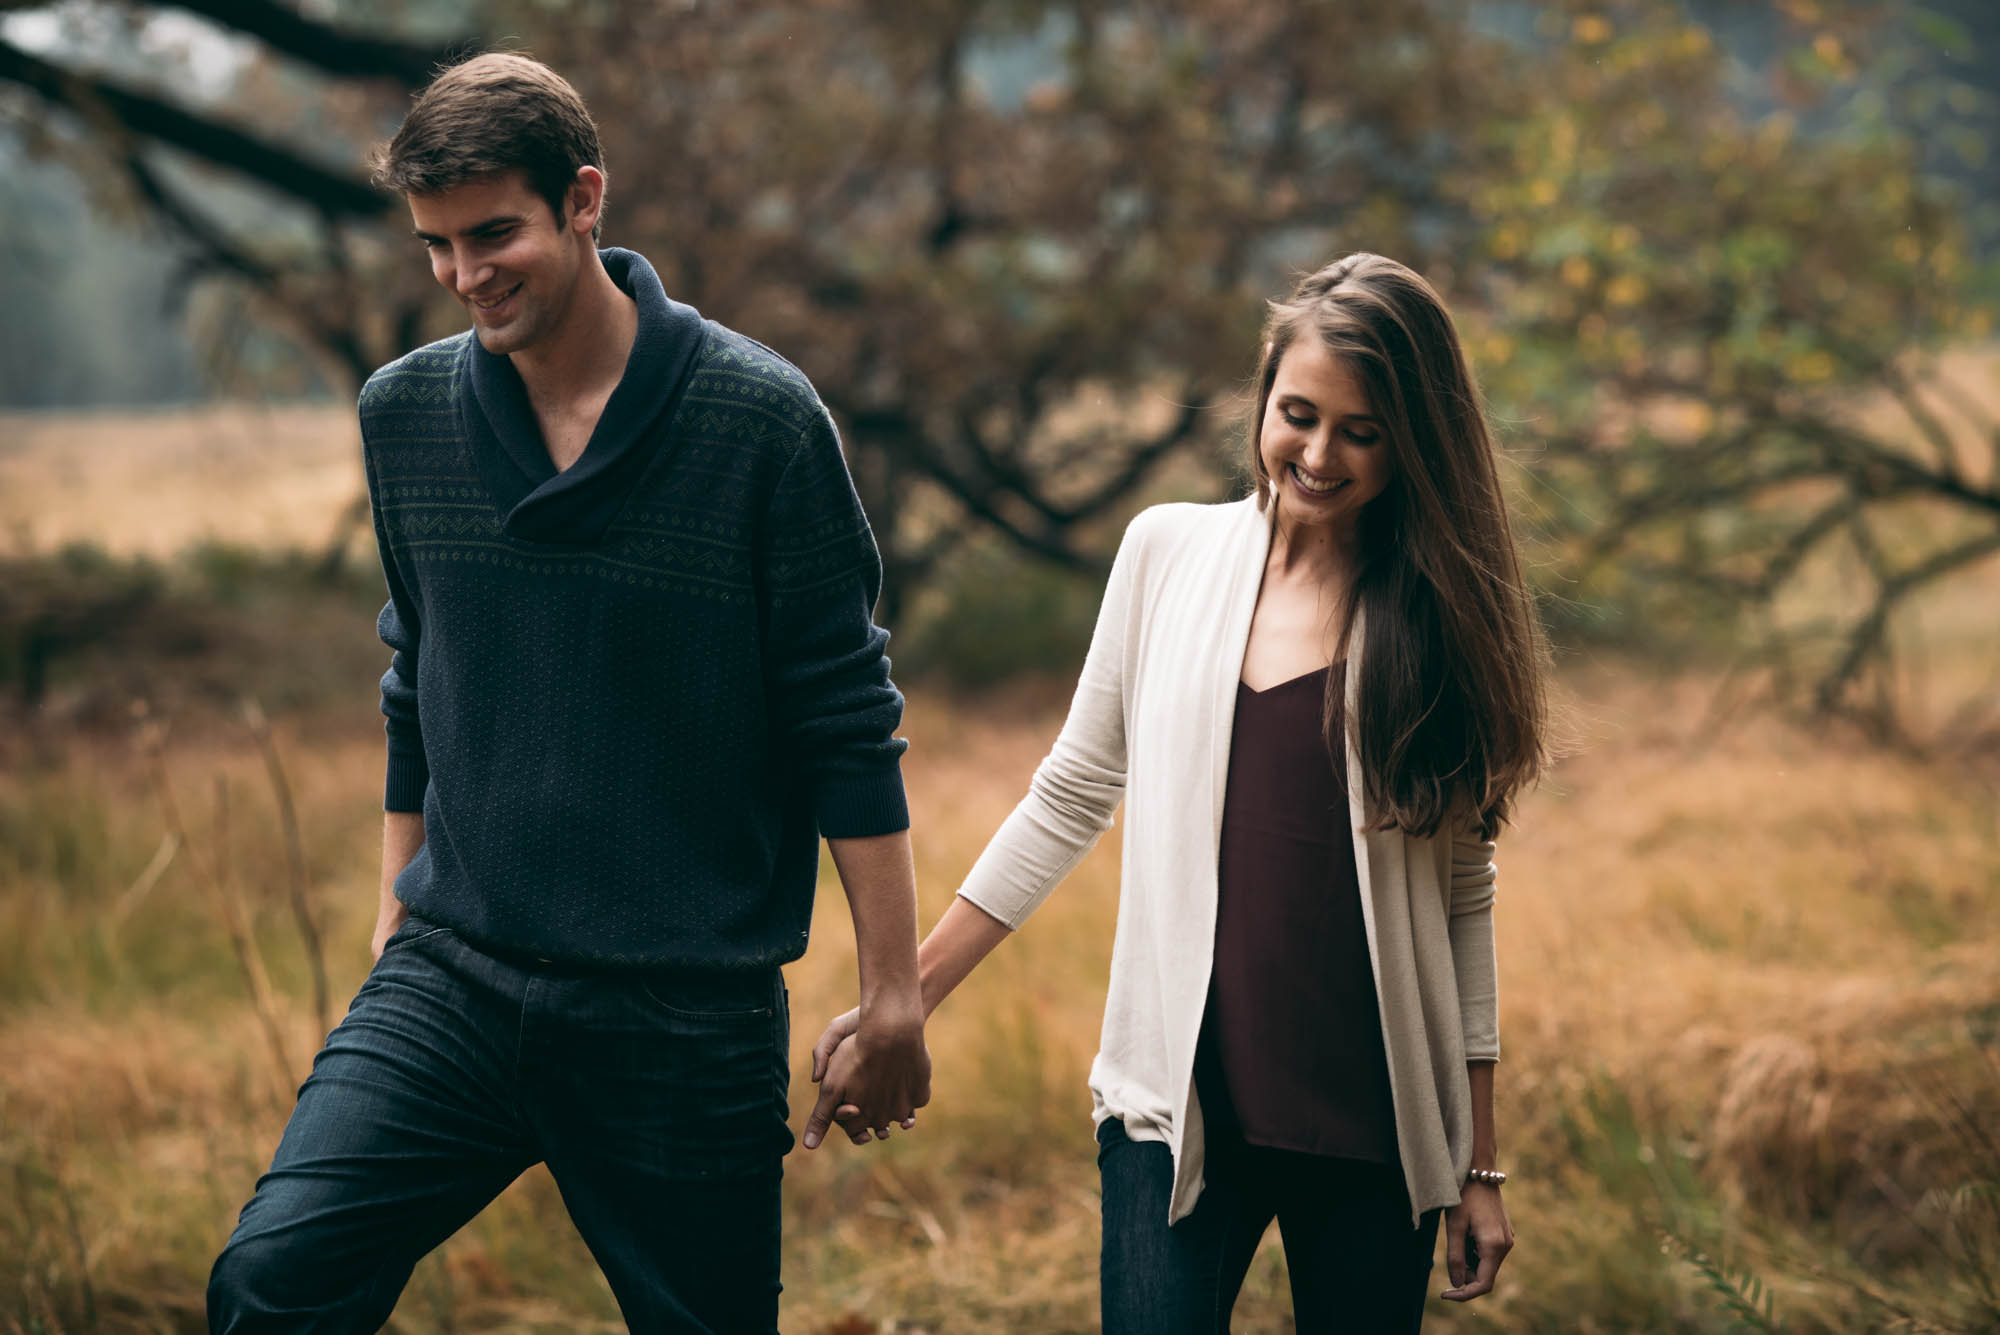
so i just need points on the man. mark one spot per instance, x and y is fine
(635, 679)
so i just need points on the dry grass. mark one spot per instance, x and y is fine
(1751, 998)
(1773, 950)
(155, 483)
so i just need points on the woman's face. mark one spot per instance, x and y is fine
(1321, 443)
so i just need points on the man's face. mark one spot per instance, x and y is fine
(495, 246)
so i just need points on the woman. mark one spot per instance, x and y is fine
(1319, 703)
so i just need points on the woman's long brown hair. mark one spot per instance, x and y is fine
(1453, 711)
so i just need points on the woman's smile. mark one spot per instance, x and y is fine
(1317, 485)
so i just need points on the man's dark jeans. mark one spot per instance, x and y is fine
(658, 1101)
(1356, 1265)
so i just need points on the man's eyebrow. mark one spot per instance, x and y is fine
(484, 225)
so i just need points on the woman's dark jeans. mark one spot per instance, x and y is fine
(1355, 1262)
(658, 1101)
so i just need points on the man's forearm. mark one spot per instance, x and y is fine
(402, 836)
(881, 884)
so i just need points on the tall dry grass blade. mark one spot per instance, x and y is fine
(227, 908)
(74, 1226)
(910, 1207)
(136, 893)
(295, 858)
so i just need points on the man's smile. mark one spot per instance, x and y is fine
(493, 303)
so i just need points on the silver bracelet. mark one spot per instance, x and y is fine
(1491, 1177)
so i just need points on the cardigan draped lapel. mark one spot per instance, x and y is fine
(1403, 907)
(1242, 567)
(574, 507)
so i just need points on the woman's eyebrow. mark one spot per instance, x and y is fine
(1293, 396)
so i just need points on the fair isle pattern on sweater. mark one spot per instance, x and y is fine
(627, 748)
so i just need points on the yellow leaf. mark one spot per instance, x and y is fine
(1590, 29)
(1625, 290)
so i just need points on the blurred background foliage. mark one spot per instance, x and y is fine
(1022, 248)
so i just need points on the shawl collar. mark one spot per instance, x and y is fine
(575, 506)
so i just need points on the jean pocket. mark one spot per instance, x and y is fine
(731, 998)
(411, 929)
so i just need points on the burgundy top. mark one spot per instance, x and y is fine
(1290, 1054)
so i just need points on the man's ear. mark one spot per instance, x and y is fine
(584, 200)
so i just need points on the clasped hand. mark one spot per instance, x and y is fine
(872, 1076)
(1478, 1237)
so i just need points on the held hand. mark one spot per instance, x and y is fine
(387, 920)
(832, 1107)
(1481, 1216)
(870, 1081)
(838, 1031)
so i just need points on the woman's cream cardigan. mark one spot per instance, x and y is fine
(1151, 723)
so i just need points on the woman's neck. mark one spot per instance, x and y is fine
(1314, 551)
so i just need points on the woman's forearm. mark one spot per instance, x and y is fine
(1485, 1150)
(965, 935)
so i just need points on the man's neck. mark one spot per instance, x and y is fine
(585, 354)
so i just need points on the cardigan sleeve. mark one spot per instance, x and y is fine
(1076, 789)
(1472, 952)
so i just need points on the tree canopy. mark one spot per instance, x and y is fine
(1022, 247)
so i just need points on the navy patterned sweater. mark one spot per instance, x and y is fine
(629, 697)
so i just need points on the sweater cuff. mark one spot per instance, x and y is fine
(859, 806)
(409, 776)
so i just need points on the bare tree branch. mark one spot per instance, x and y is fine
(1865, 449)
(336, 50)
(1869, 638)
(122, 112)
(218, 250)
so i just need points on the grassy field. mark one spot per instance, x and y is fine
(1750, 1003)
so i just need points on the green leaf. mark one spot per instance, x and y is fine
(1943, 32)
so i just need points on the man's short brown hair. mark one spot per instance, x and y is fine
(494, 113)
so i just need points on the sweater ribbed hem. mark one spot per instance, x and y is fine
(409, 776)
(859, 806)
